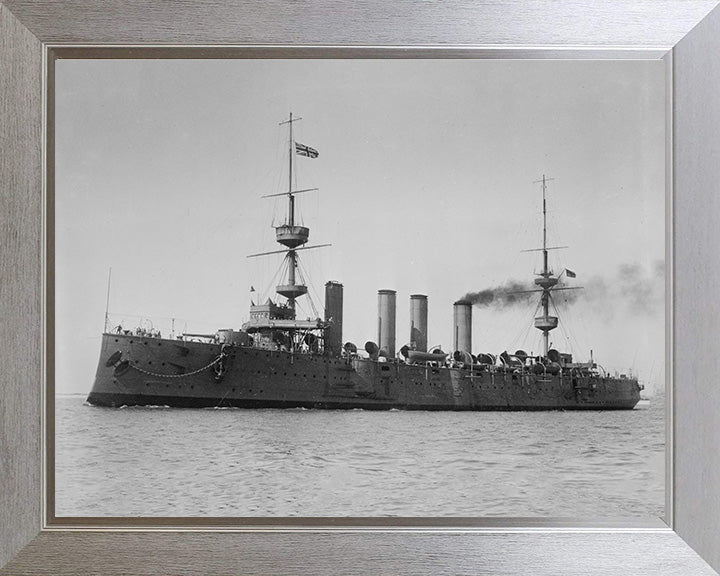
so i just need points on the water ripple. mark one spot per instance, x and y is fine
(229, 462)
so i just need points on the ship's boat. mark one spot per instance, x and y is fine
(277, 360)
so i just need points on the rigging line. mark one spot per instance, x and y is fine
(279, 173)
(521, 330)
(524, 327)
(584, 325)
(278, 138)
(299, 212)
(266, 292)
(563, 328)
(268, 177)
(312, 302)
(573, 320)
(566, 307)
(581, 343)
(307, 307)
(302, 273)
(530, 324)
(264, 288)
(296, 164)
(298, 268)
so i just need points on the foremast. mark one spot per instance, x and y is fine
(269, 318)
(290, 235)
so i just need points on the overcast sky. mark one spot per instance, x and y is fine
(425, 172)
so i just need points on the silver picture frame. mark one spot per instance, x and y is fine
(685, 34)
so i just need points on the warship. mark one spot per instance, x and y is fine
(278, 360)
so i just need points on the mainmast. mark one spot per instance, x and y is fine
(547, 281)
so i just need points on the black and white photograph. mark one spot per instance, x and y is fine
(359, 288)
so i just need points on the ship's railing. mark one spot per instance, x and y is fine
(509, 364)
(137, 330)
(156, 326)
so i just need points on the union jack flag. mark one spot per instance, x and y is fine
(303, 150)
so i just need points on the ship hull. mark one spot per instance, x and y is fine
(144, 371)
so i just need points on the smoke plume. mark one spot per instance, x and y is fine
(505, 296)
(632, 287)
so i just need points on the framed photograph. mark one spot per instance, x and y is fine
(327, 366)
(477, 202)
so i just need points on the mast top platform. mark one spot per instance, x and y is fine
(292, 236)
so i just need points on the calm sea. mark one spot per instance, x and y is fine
(233, 462)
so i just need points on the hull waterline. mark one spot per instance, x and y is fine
(144, 371)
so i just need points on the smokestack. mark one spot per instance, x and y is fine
(418, 322)
(334, 315)
(462, 316)
(386, 321)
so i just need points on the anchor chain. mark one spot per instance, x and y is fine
(156, 375)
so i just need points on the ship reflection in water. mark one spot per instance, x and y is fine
(141, 461)
(278, 360)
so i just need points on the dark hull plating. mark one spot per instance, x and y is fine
(154, 371)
